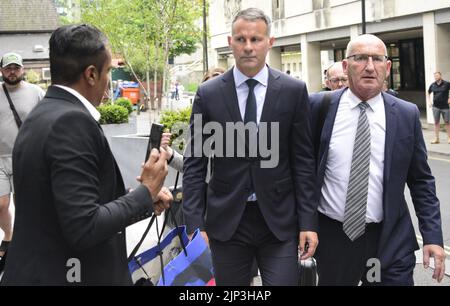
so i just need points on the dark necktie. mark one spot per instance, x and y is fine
(250, 107)
(250, 116)
(358, 185)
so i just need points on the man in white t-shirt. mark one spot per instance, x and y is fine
(23, 97)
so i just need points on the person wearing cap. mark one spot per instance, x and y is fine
(23, 96)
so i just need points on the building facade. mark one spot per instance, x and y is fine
(312, 34)
(25, 28)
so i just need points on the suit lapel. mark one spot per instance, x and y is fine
(391, 131)
(228, 89)
(273, 90)
(327, 130)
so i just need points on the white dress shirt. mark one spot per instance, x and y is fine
(260, 90)
(337, 172)
(260, 94)
(92, 110)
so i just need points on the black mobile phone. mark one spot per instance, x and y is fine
(154, 139)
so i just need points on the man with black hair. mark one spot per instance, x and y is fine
(71, 206)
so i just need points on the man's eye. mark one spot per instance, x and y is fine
(377, 58)
(360, 57)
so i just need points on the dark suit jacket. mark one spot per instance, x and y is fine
(405, 162)
(285, 193)
(70, 199)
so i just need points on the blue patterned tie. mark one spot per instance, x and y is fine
(358, 185)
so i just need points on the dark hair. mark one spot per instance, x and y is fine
(72, 49)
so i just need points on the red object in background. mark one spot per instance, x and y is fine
(131, 94)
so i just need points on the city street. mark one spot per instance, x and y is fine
(440, 166)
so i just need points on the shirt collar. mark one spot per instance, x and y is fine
(92, 110)
(374, 103)
(262, 76)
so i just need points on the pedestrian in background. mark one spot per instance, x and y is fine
(441, 101)
(336, 78)
(371, 147)
(17, 99)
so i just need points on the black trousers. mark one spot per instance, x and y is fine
(233, 259)
(341, 262)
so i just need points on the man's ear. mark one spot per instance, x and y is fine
(91, 75)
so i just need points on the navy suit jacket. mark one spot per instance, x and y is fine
(405, 162)
(70, 200)
(285, 193)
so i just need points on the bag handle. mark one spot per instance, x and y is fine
(13, 108)
(138, 245)
(152, 220)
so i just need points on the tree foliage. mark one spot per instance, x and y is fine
(146, 32)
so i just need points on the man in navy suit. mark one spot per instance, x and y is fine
(365, 126)
(253, 210)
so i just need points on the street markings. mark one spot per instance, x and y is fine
(440, 159)
(446, 248)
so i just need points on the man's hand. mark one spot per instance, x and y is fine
(204, 236)
(154, 172)
(308, 242)
(438, 253)
(164, 199)
(165, 143)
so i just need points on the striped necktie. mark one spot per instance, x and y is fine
(358, 186)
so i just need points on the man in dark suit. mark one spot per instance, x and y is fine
(371, 145)
(253, 210)
(71, 207)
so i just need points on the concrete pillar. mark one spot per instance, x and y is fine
(222, 62)
(443, 49)
(274, 58)
(311, 66)
(430, 55)
(354, 31)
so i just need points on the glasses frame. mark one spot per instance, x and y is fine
(378, 56)
(337, 80)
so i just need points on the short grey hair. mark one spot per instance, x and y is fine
(253, 14)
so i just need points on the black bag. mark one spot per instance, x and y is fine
(176, 207)
(307, 270)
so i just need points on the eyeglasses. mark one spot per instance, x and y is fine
(364, 58)
(336, 80)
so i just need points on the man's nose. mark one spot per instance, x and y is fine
(370, 65)
(248, 46)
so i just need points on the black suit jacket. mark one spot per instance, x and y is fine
(70, 200)
(286, 194)
(405, 162)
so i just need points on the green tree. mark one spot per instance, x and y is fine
(146, 32)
